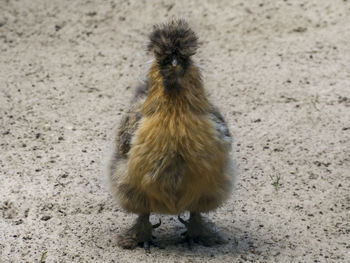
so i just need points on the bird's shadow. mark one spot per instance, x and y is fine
(244, 240)
(174, 243)
(241, 242)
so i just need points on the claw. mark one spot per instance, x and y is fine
(157, 225)
(147, 246)
(182, 221)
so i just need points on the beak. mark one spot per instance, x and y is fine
(174, 62)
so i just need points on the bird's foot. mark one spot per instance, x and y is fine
(199, 232)
(139, 234)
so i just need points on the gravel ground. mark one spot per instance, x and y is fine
(279, 71)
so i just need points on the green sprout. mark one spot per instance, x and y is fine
(42, 260)
(275, 181)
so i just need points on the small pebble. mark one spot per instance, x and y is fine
(45, 218)
(47, 127)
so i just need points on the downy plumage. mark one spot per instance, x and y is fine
(172, 146)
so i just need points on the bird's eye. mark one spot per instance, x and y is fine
(168, 59)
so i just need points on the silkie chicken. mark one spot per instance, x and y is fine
(172, 145)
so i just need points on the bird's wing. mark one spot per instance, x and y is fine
(130, 121)
(141, 91)
(220, 125)
(126, 130)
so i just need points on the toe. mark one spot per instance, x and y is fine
(147, 247)
(212, 241)
(190, 243)
(127, 242)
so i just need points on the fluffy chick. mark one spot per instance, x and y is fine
(172, 146)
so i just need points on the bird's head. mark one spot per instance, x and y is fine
(173, 44)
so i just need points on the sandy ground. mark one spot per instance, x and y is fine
(280, 72)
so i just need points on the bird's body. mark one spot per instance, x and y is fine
(172, 147)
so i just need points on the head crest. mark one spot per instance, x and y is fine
(173, 37)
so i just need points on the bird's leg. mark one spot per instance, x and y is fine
(139, 233)
(199, 232)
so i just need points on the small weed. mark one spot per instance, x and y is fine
(42, 259)
(275, 181)
(315, 101)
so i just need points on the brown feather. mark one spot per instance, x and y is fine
(174, 149)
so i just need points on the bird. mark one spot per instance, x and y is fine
(172, 146)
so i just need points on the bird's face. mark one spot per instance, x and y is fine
(173, 66)
(173, 45)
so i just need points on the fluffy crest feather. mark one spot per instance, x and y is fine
(173, 37)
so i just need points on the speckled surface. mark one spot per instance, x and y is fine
(279, 70)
